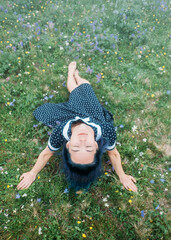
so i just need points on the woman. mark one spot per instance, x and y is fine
(85, 130)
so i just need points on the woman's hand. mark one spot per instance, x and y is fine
(128, 182)
(27, 179)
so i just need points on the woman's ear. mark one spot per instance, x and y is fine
(67, 145)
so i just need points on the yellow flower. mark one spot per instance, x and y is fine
(130, 201)
(116, 53)
(104, 56)
(78, 222)
(8, 186)
(106, 173)
(163, 67)
(78, 24)
(164, 53)
(152, 95)
(38, 177)
(130, 189)
(19, 58)
(116, 191)
(83, 235)
(91, 228)
(43, 70)
(108, 52)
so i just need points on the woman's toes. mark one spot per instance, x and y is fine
(72, 66)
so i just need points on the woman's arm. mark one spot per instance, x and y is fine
(29, 177)
(126, 180)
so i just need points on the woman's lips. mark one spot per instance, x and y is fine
(82, 134)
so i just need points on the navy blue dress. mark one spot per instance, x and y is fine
(83, 106)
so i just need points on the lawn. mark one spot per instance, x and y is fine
(122, 48)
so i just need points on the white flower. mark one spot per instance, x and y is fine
(106, 205)
(104, 199)
(139, 56)
(5, 227)
(6, 172)
(40, 231)
(5, 214)
(107, 196)
(134, 128)
(18, 169)
(161, 213)
(22, 206)
(15, 210)
(141, 153)
(24, 195)
(61, 48)
(136, 159)
(31, 204)
(144, 139)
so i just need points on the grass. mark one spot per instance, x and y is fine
(126, 44)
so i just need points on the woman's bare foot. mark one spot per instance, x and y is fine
(79, 80)
(71, 83)
(72, 68)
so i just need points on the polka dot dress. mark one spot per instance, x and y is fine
(82, 106)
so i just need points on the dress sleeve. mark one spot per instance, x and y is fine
(56, 139)
(110, 135)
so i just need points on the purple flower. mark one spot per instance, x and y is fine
(17, 196)
(169, 169)
(49, 133)
(168, 92)
(98, 77)
(35, 125)
(142, 213)
(89, 70)
(113, 169)
(152, 181)
(121, 126)
(162, 180)
(38, 199)
(106, 103)
(46, 98)
(66, 190)
(51, 96)
(157, 207)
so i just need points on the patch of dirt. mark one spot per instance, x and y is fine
(165, 148)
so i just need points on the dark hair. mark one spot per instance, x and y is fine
(82, 175)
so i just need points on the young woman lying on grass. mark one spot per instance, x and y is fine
(85, 130)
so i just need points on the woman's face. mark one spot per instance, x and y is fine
(82, 145)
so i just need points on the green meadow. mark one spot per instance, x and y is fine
(122, 48)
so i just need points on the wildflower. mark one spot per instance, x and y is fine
(40, 231)
(106, 173)
(144, 140)
(104, 199)
(32, 204)
(98, 77)
(162, 180)
(38, 177)
(66, 190)
(6, 140)
(152, 181)
(130, 201)
(134, 128)
(121, 126)
(78, 222)
(17, 196)
(89, 70)
(142, 213)
(157, 207)
(152, 95)
(106, 205)
(24, 195)
(168, 92)
(43, 70)
(8, 186)
(14, 211)
(91, 228)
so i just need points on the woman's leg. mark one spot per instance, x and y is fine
(79, 79)
(71, 83)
